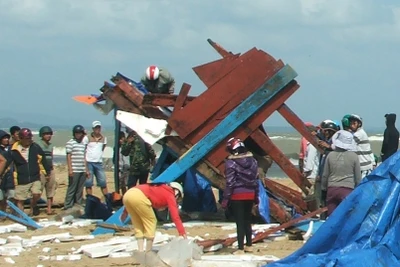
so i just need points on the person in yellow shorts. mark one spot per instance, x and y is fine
(139, 202)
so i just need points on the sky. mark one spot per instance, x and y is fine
(345, 52)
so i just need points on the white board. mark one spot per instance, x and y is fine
(151, 130)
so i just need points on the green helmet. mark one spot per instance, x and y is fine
(45, 129)
(346, 121)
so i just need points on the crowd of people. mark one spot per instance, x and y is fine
(345, 159)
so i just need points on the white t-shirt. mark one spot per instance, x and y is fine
(311, 161)
(94, 150)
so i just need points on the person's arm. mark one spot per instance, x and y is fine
(151, 152)
(357, 170)
(126, 148)
(230, 179)
(3, 164)
(43, 160)
(68, 150)
(325, 174)
(174, 212)
(105, 143)
(385, 143)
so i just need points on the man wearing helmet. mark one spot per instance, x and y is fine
(158, 81)
(353, 123)
(328, 129)
(49, 183)
(28, 157)
(77, 167)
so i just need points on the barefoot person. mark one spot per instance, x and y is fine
(49, 183)
(139, 202)
(28, 157)
(241, 190)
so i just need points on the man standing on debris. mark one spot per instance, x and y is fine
(7, 186)
(77, 167)
(141, 157)
(139, 202)
(27, 157)
(48, 183)
(390, 142)
(158, 81)
(241, 190)
(96, 143)
(353, 123)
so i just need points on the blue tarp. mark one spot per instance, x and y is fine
(263, 205)
(363, 231)
(198, 193)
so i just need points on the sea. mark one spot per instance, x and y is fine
(288, 141)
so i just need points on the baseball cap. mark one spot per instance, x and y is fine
(96, 123)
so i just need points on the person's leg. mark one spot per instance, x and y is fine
(143, 178)
(343, 192)
(71, 191)
(89, 181)
(51, 185)
(101, 178)
(123, 179)
(22, 193)
(332, 199)
(132, 201)
(81, 179)
(247, 209)
(132, 180)
(36, 189)
(238, 214)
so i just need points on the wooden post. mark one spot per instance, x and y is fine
(117, 129)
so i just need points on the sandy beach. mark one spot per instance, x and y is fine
(30, 258)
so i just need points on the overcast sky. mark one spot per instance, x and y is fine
(346, 53)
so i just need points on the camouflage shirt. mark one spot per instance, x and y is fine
(141, 155)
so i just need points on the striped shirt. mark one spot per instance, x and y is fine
(364, 151)
(77, 151)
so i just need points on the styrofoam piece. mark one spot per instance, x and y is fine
(46, 250)
(76, 238)
(29, 243)
(113, 241)
(161, 238)
(46, 224)
(15, 227)
(120, 255)
(66, 258)
(267, 226)
(213, 248)
(12, 249)
(67, 219)
(103, 251)
(45, 238)
(9, 260)
(247, 260)
(3, 241)
(14, 239)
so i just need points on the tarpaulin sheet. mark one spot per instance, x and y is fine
(363, 231)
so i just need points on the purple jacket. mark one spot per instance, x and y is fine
(241, 173)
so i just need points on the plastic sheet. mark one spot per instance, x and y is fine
(363, 231)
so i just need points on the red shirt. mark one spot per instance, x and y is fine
(162, 196)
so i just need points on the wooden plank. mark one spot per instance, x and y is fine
(220, 50)
(225, 91)
(242, 112)
(289, 195)
(131, 93)
(277, 212)
(179, 103)
(121, 101)
(298, 124)
(243, 132)
(284, 163)
(163, 100)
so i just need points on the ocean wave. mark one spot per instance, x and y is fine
(372, 138)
